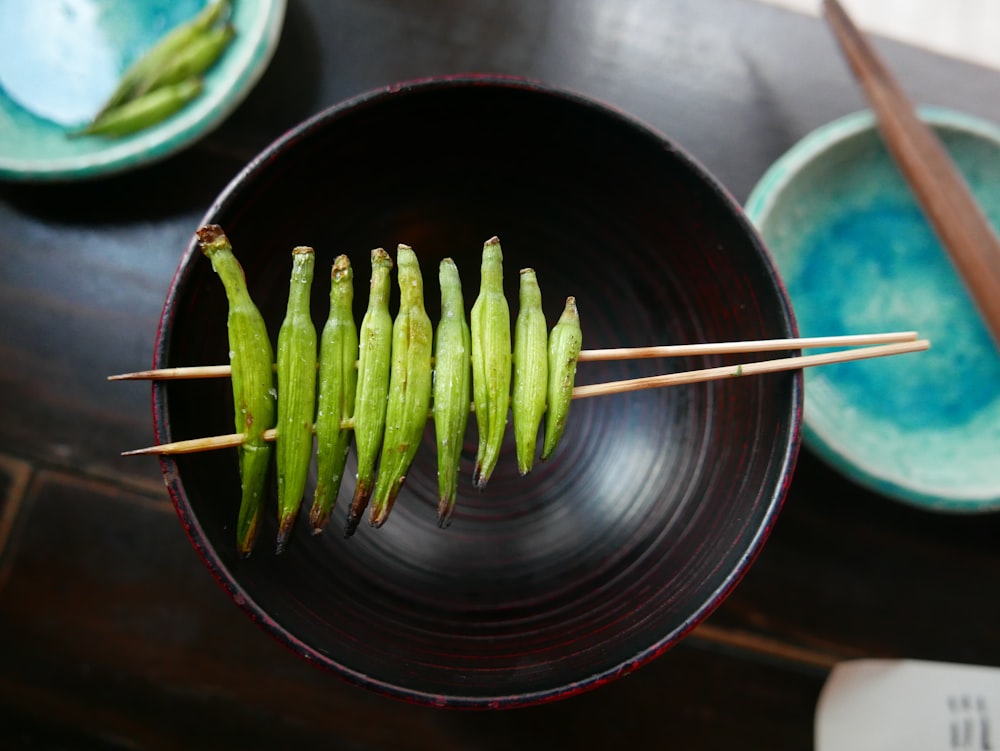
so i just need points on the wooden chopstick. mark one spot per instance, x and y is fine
(591, 355)
(924, 162)
(616, 387)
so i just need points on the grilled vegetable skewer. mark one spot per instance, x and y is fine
(251, 370)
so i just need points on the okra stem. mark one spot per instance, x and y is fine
(409, 386)
(250, 359)
(374, 352)
(338, 381)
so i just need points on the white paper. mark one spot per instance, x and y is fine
(909, 705)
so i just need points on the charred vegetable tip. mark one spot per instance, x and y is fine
(252, 378)
(374, 354)
(531, 370)
(296, 393)
(338, 381)
(409, 386)
(452, 387)
(491, 362)
(565, 343)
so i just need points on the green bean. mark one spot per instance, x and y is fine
(565, 342)
(251, 358)
(531, 371)
(409, 386)
(190, 62)
(163, 54)
(149, 109)
(338, 381)
(296, 393)
(491, 362)
(452, 386)
(374, 354)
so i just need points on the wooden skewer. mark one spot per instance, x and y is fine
(737, 348)
(939, 187)
(746, 369)
(175, 374)
(592, 355)
(616, 387)
(195, 445)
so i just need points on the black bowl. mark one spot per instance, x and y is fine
(655, 503)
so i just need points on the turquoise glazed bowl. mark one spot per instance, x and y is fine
(858, 256)
(60, 60)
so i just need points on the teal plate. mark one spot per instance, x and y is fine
(60, 59)
(858, 256)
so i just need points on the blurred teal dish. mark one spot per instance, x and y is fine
(60, 59)
(857, 256)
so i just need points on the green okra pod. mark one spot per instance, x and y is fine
(452, 386)
(149, 109)
(374, 354)
(190, 62)
(565, 342)
(296, 393)
(409, 386)
(251, 359)
(338, 381)
(491, 361)
(140, 76)
(531, 370)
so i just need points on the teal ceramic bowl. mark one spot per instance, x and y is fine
(60, 59)
(858, 256)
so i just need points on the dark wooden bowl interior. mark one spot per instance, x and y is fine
(655, 503)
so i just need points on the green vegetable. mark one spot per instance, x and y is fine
(491, 362)
(137, 114)
(565, 342)
(191, 61)
(142, 74)
(452, 386)
(296, 393)
(531, 371)
(409, 386)
(375, 348)
(338, 382)
(251, 359)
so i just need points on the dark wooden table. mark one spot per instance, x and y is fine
(113, 635)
